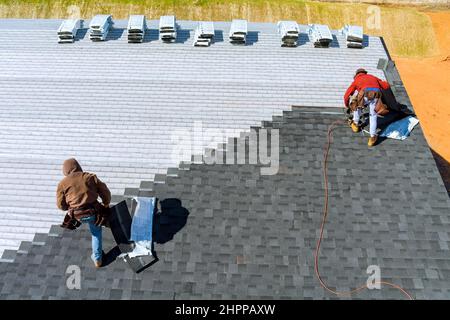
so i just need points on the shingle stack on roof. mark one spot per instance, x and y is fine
(68, 29)
(168, 29)
(320, 35)
(136, 28)
(238, 31)
(354, 36)
(99, 27)
(288, 31)
(204, 34)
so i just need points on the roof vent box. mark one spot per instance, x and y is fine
(99, 27)
(238, 31)
(204, 34)
(289, 32)
(68, 29)
(167, 29)
(353, 35)
(320, 34)
(137, 25)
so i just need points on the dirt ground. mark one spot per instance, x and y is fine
(428, 84)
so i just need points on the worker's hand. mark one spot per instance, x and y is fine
(98, 220)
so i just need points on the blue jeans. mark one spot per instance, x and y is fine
(372, 115)
(96, 232)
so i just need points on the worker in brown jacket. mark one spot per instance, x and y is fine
(78, 193)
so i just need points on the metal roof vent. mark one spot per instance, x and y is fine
(99, 27)
(321, 35)
(68, 29)
(238, 31)
(167, 29)
(353, 35)
(136, 28)
(204, 34)
(289, 31)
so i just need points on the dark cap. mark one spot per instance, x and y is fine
(360, 70)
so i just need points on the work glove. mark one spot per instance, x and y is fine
(70, 223)
(102, 216)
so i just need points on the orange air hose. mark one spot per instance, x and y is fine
(324, 220)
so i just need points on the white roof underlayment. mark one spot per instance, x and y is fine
(122, 109)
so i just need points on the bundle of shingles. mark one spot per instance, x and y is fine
(238, 32)
(99, 27)
(320, 35)
(137, 26)
(204, 34)
(68, 29)
(289, 32)
(354, 36)
(167, 29)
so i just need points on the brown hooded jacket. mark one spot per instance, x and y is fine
(79, 189)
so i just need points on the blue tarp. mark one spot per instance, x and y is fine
(142, 227)
(400, 129)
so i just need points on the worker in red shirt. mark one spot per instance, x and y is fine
(369, 94)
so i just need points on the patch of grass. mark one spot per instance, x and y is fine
(406, 31)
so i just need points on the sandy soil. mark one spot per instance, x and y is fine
(428, 84)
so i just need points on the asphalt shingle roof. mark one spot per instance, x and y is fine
(248, 235)
(253, 236)
(121, 108)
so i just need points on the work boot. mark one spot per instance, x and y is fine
(98, 263)
(372, 141)
(355, 127)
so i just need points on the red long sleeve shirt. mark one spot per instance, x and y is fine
(363, 81)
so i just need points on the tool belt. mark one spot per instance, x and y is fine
(73, 216)
(70, 223)
(83, 212)
(370, 94)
